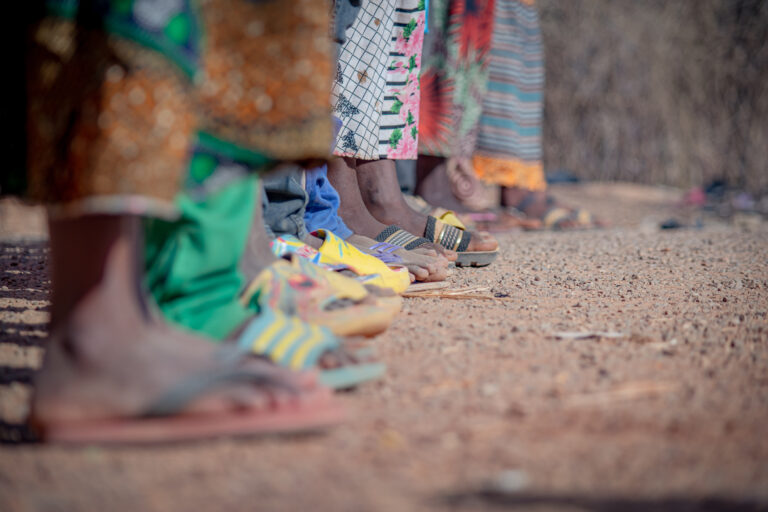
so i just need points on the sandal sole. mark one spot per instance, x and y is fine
(476, 259)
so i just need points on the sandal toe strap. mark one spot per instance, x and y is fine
(396, 235)
(448, 236)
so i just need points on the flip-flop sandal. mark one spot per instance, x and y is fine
(457, 240)
(319, 296)
(286, 245)
(449, 217)
(554, 217)
(163, 420)
(297, 345)
(583, 218)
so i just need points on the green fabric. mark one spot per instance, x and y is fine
(192, 263)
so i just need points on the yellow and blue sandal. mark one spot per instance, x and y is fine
(295, 344)
(338, 255)
(335, 251)
(323, 297)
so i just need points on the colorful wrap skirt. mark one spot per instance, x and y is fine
(376, 87)
(121, 91)
(454, 76)
(482, 89)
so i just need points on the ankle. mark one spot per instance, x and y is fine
(361, 221)
(512, 196)
(87, 331)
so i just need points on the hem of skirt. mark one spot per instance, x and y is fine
(125, 204)
(510, 172)
(374, 157)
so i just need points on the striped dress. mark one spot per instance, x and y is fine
(508, 149)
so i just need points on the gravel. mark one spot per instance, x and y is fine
(667, 396)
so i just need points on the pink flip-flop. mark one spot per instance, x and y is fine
(164, 419)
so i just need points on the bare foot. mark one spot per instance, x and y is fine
(108, 359)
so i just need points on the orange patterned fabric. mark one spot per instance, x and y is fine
(267, 72)
(111, 119)
(102, 135)
(509, 172)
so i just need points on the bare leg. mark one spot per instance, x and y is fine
(434, 186)
(380, 191)
(343, 176)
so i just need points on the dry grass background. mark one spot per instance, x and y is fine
(654, 91)
(657, 91)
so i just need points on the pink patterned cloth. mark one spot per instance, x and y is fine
(376, 93)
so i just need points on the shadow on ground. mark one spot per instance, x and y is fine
(512, 501)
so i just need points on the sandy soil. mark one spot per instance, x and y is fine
(484, 405)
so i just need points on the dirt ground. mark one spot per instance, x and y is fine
(487, 403)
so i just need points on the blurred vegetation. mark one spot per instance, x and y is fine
(658, 91)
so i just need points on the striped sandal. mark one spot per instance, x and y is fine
(294, 344)
(395, 235)
(386, 253)
(458, 240)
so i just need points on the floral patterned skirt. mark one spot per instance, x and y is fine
(116, 105)
(376, 89)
